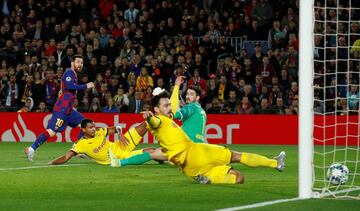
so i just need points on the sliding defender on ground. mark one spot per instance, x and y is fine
(95, 145)
(206, 163)
(193, 119)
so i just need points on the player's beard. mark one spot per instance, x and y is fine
(168, 114)
(189, 101)
(77, 68)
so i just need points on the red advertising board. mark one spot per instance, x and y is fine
(220, 129)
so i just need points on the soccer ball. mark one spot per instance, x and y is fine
(338, 174)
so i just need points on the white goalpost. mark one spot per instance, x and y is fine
(305, 100)
(329, 77)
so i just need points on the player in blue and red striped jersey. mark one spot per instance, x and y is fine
(63, 113)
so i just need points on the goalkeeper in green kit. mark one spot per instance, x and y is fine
(193, 117)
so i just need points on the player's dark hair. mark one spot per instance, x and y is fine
(156, 99)
(78, 56)
(196, 89)
(84, 122)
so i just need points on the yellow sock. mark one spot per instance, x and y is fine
(255, 160)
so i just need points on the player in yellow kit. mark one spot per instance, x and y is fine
(95, 145)
(207, 163)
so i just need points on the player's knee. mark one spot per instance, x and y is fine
(157, 155)
(240, 179)
(235, 156)
(50, 132)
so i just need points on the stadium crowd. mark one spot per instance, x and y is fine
(131, 47)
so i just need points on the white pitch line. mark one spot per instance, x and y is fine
(38, 167)
(266, 203)
(340, 191)
(261, 204)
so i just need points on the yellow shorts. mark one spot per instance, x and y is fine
(122, 151)
(208, 160)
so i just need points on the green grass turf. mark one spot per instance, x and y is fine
(146, 187)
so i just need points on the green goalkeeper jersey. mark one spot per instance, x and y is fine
(193, 118)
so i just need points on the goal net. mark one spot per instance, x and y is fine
(336, 67)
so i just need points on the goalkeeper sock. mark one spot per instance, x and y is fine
(255, 160)
(136, 159)
(40, 140)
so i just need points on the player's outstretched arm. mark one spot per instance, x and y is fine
(63, 159)
(71, 85)
(174, 99)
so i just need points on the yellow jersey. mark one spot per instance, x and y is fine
(96, 148)
(172, 139)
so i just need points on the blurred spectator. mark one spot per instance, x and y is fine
(12, 93)
(8, 53)
(215, 107)
(132, 13)
(279, 108)
(212, 91)
(342, 48)
(244, 107)
(266, 70)
(29, 104)
(231, 103)
(121, 100)
(146, 107)
(42, 107)
(74, 37)
(275, 94)
(213, 33)
(51, 87)
(104, 38)
(85, 105)
(276, 30)
(263, 12)
(248, 72)
(148, 95)
(291, 62)
(95, 108)
(102, 95)
(264, 107)
(256, 58)
(223, 88)
(119, 39)
(198, 82)
(110, 107)
(136, 103)
(293, 93)
(144, 81)
(353, 98)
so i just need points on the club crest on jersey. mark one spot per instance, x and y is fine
(68, 78)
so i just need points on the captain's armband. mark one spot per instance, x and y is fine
(154, 122)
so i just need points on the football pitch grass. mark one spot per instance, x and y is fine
(85, 185)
